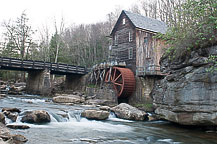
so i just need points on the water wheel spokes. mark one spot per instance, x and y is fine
(122, 79)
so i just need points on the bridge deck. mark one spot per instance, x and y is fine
(28, 65)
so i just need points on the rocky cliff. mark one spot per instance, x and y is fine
(188, 94)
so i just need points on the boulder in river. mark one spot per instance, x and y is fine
(37, 116)
(106, 108)
(11, 110)
(126, 111)
(11, 113)
(2, 96)
(18, 87)
(68, 99)
(11, 116)
(18, 126)
(99, 102)
(95, 114)
(2, 118)
(4, 133)
(7, 138)
(19, 139)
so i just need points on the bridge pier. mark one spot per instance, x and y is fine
(39, 82)
(75, 82)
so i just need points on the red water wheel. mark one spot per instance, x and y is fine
(123, 81)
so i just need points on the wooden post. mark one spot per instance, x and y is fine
(1, 61)
(57, 66)
(76, 69)
(110, 71)
(9, 61)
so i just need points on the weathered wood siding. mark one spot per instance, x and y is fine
(148, 50)
(121, 48)
(159, 48)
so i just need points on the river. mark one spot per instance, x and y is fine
(67, 127)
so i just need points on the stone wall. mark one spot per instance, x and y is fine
(76, 82)
(142, 92)
(38, 82)
(142, 98)
(188, 95)
(105, 93)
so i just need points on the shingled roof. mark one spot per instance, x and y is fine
(144, 22)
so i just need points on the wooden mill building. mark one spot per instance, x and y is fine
(133, 43)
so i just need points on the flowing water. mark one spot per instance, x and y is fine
(68, 127)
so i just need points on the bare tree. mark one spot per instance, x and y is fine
(18, 37)
(162, 10)
(113, 16)
(59, 32)
(20, 34)
(135, 9)
(44, 43)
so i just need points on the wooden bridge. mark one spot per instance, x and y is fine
(30, 65)
(39, 80)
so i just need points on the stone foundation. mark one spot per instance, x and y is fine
(105, 93)
(38, 82)
(76, 82)
(142, 98)
(143, 89)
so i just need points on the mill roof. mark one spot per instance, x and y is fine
(144, 22)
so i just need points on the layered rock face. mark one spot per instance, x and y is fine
(188, 95)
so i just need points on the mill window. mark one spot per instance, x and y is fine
(145, 40)
(124, 21)
(130, 53)
(147, 52)
(116, 39)
(130, 36)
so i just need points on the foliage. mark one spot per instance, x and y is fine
(213, 63)
(86, 45)
(9, 75)
(83, 45)
(9, 50)
(18, 38)
(162, 10)
(54, 43)
(196, 29)
(145, 106)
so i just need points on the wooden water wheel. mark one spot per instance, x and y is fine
(123, 81)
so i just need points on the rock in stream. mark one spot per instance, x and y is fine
(126, 111)
(37, 116)
(95, 114)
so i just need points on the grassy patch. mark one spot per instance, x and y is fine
(148, 107)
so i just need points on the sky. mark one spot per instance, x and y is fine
(43, 12)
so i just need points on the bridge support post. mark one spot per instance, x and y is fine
(39, 82)
(75, 82)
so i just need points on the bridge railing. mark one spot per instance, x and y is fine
(37, 65)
